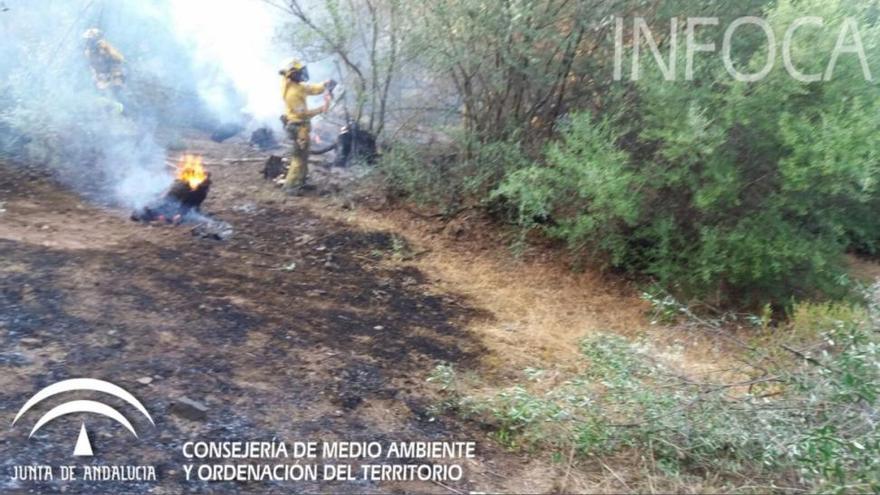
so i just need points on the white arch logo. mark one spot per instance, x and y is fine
(83, 446)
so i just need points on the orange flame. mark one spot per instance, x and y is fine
(191, 171)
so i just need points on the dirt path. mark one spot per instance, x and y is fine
(335, 347)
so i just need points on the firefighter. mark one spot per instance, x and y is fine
(297, 118)
(105, 60)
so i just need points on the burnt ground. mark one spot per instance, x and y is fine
(293, 329)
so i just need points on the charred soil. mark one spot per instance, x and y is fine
(294, 328)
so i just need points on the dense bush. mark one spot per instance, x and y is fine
(725, 191)
(732, 190)
(586, 187)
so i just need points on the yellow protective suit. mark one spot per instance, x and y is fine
(106, 63)
(298, 126)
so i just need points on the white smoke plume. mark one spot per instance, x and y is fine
(234, 39)
(189, 64)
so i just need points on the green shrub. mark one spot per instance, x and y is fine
(407, 171)
(451, 176)
(585, 187)
(724, 190)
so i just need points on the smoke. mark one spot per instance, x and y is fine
(237, 41)
(233, 39)
(189, 64)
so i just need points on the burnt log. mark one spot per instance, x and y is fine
(180, 202)
(188, 197)
(273, 168)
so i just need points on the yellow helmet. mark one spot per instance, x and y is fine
(294, 64)
(296, 70)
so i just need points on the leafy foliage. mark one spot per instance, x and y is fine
(740, 192)
(586, 187)
(725, 191)
(449, 176)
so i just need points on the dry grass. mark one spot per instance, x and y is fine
(540, 312)
(866, 270)
(541, 309)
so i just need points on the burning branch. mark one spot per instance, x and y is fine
(191, 171)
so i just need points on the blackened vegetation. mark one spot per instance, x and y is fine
(352, 143)
(355, 143)
(222, 324)
(177, 204)
(381, 311)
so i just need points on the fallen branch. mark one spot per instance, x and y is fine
(804, 357)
